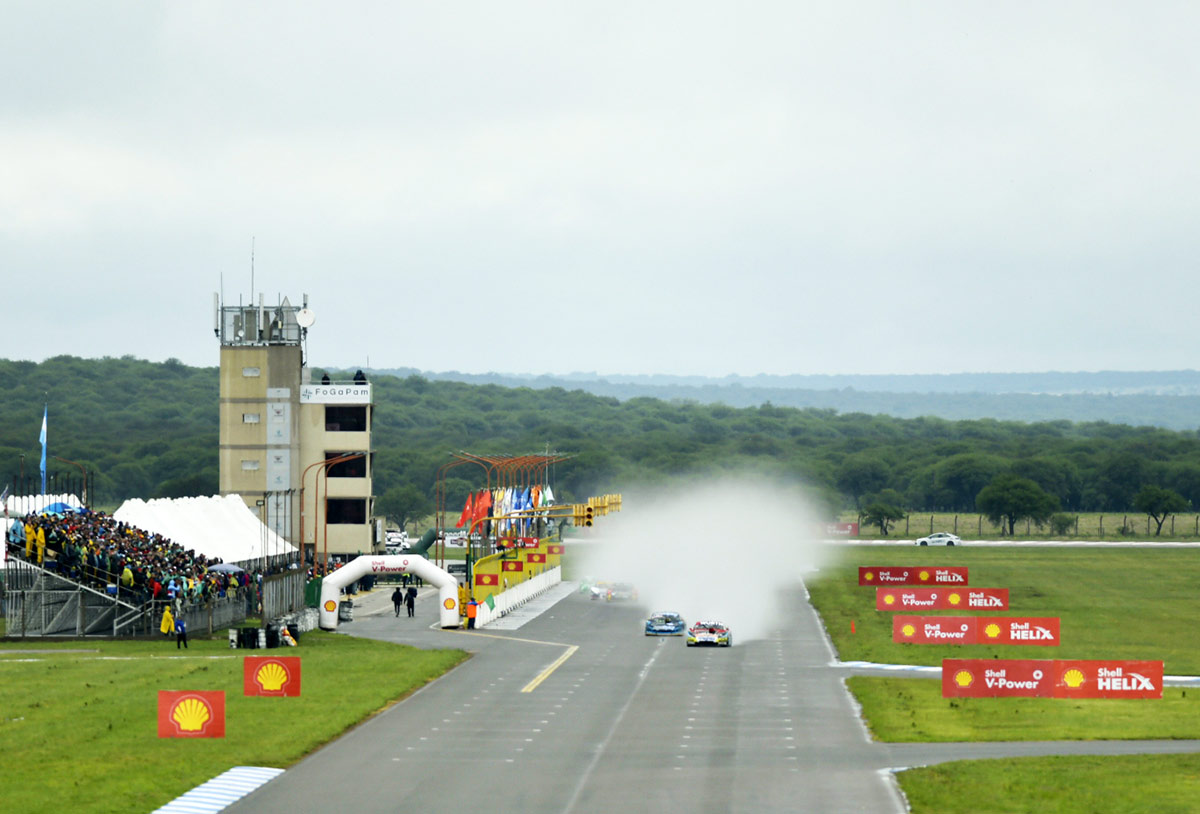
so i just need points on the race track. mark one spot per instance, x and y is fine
(624, 723)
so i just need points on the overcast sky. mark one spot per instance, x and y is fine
(685, 188)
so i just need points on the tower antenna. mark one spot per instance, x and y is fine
(251, 269)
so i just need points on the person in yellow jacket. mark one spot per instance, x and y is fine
(41, 544)
(30, 537)
(168, 622)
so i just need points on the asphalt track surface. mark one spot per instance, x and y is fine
(622, 723)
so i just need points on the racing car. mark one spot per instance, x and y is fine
(667, 623)
(712, 634)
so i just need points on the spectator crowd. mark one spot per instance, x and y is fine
(94, 549)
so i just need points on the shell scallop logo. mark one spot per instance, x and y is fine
(907, 630)
(889, 599)
(272, 676)
(923, 576)
(954, 599)
(869, 576)
(330, 605)
(1073, 678)
(992, 631)
(964, 678)
(191, 714)
(448, 604)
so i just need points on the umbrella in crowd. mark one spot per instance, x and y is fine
(226, 567)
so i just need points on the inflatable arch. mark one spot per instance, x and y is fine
(359, 567)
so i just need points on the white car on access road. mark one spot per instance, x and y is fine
(940, 538)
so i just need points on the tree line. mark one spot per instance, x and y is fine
(150, 429)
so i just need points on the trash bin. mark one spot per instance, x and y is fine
(345, 611)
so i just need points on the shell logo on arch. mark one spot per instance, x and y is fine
(448, 604)
(191, 714)
(330, 605)
(271, 676)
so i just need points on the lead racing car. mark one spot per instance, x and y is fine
(667, 623)
(709, 634)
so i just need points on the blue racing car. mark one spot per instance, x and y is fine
(665, 624)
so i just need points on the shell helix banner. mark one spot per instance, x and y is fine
(910, 599)
(911, 575)
(1051, 678)
(191, 714)
(271, 675)
(976, 630)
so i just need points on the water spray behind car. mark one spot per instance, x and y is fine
(719, 549)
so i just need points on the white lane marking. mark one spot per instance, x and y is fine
(591, 767)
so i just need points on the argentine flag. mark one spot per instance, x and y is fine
(42, 438)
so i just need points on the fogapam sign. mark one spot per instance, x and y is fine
(910, 599)
(976, 630)
(1051, 678)
(875, 575)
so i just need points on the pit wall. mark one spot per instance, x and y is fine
(517, 595)
(501, 572)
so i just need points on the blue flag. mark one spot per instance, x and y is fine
(45, 413)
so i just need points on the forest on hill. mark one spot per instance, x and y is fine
(150, 430)
(1169, 399)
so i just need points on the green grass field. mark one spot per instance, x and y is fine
(1113, 602)
(79, 729)
(1137, 784)
(1122, 603)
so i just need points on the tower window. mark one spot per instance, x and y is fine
(346, 510)
(249, 466)
(250, 418)
(251, 372)
(341, 418)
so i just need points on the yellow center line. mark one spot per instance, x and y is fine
(542, 676)
(533, 685)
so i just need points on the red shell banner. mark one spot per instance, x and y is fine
(917, 599)
(876, 575)
(512, 565)
(554, 549)
(191, 714)
(271, 675)
(535, 558)
(1051, 678)
(487, 579)
(976, 630)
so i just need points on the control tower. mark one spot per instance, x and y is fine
(297, 452)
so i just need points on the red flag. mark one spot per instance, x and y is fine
(482, 503)
(468, 513)
(271, 675)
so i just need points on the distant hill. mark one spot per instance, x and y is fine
(1169, 399)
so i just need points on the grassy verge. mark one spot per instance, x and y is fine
(1139, 784)
(905, 709)
(1113, 603)
(86, 722)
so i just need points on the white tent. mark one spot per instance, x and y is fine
(222, 527)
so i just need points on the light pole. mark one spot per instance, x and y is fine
(81, 469)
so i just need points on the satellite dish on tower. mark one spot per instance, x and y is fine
(305, 318)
